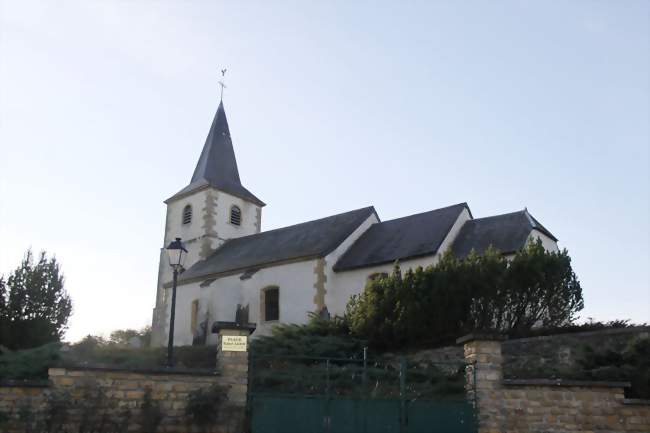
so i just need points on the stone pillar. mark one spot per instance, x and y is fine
(233, 365)
(484, 377)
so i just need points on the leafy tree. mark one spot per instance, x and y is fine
(122, 337)
(424, 307)
(34, 305)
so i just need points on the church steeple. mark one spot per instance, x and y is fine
(217, 165)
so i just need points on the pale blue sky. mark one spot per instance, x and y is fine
(333, 105)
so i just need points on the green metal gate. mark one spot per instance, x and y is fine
(327, 395)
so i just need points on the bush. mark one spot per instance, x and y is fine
(32, 364)
(573, 328)
(433, 306)
(318, 338)
(29, 364)
(633, 365)
(629, 365)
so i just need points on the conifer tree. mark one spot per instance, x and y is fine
(34, 305)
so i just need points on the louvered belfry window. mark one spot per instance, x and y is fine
(187, 214)
(235, 215)
(272, 303)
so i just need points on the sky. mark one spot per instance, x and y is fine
(333, 105)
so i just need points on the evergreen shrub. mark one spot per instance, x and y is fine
(434, 306)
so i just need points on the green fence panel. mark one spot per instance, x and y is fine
(347, 415)
(288, 415)
(440, 417)
(321, 395)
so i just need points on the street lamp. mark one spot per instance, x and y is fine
(177, 253)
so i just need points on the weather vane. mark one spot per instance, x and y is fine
(223, 74)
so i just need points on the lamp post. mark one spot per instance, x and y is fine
(177, 253)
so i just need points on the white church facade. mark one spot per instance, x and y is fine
(279, 276)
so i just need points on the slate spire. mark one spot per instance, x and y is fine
(217, 163)
(217, 166)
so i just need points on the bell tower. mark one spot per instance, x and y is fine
(213, 208)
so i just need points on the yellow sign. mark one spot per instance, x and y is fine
(234, 343)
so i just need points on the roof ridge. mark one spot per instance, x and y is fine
(463, 204)
(498, 215)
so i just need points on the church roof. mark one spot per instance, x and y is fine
(217, 164)
(298, 242)
(508, 233)
(401, 238)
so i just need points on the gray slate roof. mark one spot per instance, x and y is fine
(301, 241)
(401, 238)
(508, 233)
(217, 164)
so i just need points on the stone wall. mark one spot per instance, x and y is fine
(534, 406)
(109, 400)
(116, 399)
(15, 396)
(524, 356)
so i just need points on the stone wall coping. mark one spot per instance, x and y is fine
(481, 336)
(24, 383)
(142, 370)
(218, 326)
(636, 401)
(606, 331)
(565, 383)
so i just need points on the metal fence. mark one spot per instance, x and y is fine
(340, 395)
(363, 378)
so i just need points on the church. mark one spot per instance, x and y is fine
(279, 276)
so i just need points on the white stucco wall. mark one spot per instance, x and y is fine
(209, 228)
(249, 224)
(210, 217)
(548, 243)
(220, 299)
(295, 281)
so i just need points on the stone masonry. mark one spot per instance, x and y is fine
(115, 398)
(535, 406)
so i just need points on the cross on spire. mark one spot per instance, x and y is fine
(221, 82)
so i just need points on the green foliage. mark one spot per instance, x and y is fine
(433, 306)
(203, 405)
(601, 364)
(32, 364)
(123, 337)
(29, 364)
(377, 379)
(126, 357)
(34, 305)
(632, 364)
(572, 328)
(318, 338)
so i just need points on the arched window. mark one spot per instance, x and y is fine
(235, 215)
(187, 214)
(270, 303)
